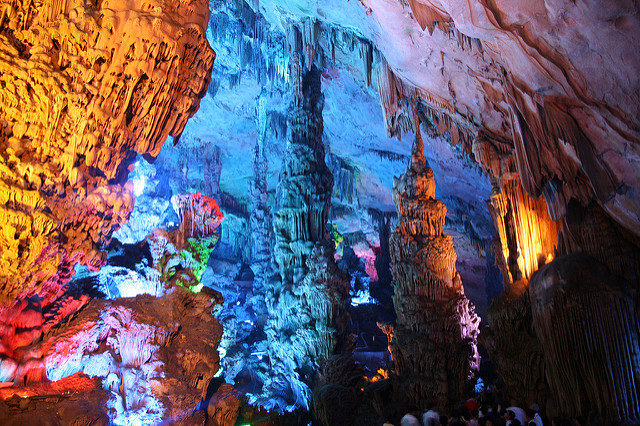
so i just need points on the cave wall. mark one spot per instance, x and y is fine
(83, 88)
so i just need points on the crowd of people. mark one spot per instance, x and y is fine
(471, 413)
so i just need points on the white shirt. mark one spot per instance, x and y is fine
(520, 414)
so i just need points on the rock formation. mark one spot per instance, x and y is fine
(587, 322)
(542, 94)
(308, 306)
(433, 343)
(154, 356)
(83, 88)
(537, 78)
(527, 234)
(261, 219)
(514, 347)
(199, 215)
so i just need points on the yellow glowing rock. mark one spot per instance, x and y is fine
(82, 86)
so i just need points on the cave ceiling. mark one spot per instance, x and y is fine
(522, 71)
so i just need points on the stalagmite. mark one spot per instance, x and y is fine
(261, 219)
(308, 304)
(433, 343)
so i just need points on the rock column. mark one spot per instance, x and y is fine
(308, 304)
(433, 343)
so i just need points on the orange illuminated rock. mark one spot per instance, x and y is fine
(528, 235)
(83, 87)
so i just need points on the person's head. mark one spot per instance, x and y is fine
(409, 420)
(509, 415)
(529, 413)
(431, 422)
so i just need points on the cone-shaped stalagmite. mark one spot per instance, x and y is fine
(434, 340)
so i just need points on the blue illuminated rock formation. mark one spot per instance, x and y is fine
(308, 304)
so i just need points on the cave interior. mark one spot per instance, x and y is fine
(261, 212)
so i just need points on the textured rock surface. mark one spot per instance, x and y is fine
(588, 325)
(433, 343)
(527, 234)
(514, 347)
(154, 356)
(308, 305)
(540, 80)
(76, 397)
(83, 87)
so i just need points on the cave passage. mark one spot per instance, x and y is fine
(290, 213)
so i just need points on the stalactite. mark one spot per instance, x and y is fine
(440, 114)
(395, 100)
(200, 216)
(427, 16)
(588, 324)
(528, 235)
(240, 25)
(433, 343)
(527, 239)
(431, 18)
(345, 185)
(591, 231)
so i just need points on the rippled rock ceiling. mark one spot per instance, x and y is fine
(531, 118)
